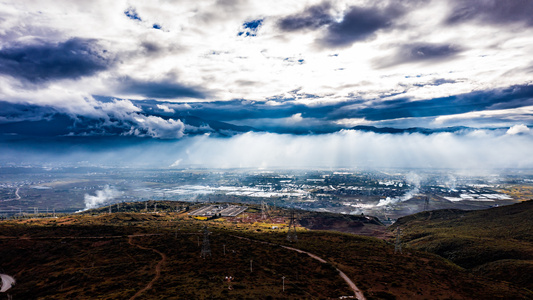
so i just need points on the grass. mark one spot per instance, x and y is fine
(87, 256)
(491, 242)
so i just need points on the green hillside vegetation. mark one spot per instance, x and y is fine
(497, 242)
(97, 255)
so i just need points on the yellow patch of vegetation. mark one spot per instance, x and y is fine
(200, 218)
(269, 225)
(519, 192)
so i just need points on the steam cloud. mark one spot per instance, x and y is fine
(414, 181)
(101, 197)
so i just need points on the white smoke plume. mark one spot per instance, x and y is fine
(101, 197)
(414, 182)
(451, 182)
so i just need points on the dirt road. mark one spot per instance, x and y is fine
(358, 293)
(157, 267)
(13, 199)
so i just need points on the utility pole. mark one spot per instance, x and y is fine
(206, 248)
(398, 244)
(155, 207)
(146, 206)
(291, 234)
(283, 278)
(109, 208)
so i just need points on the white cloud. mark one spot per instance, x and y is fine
(165, 108)
(517, 129)
(158, 128)
(193, 30)
(351, 122)
(198, 46)
(357, 149)
(513, 114)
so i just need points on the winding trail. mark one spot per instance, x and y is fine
(358, 293)
(13, 199)
(157, 267)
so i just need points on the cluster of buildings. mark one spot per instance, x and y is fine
(219, 210)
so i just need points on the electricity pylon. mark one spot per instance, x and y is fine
(398, 244)
(206, 248)
(291, 234)
(264, 211)
(426, 204)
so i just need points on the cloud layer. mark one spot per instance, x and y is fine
(167, 71)
(476, 151)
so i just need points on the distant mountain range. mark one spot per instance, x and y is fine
(411, 130)
(63, 125)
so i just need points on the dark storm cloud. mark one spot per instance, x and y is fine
(359, 24)
(313, 17)
(419, 52)
(46, 61)
(263, 116)
(147, 119)
(165, 89)
(109, 118)
(492, 11)
(227, 111)
(511, 97)
(15, 112)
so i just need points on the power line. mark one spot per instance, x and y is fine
(398, 244)
(291, 234)
(264, 211)
(206, 248)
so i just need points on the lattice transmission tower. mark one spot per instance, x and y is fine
(264, 211)
(206, 248)
(398, 244)
(291, 234)
(426, 204)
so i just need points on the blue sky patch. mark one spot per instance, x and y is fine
(132, 14)
(250, 28)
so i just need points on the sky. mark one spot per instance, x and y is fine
(242, 83)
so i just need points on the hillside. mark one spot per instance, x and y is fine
(137, 254)
(496, 242)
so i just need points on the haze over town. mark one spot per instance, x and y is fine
(390, 87)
